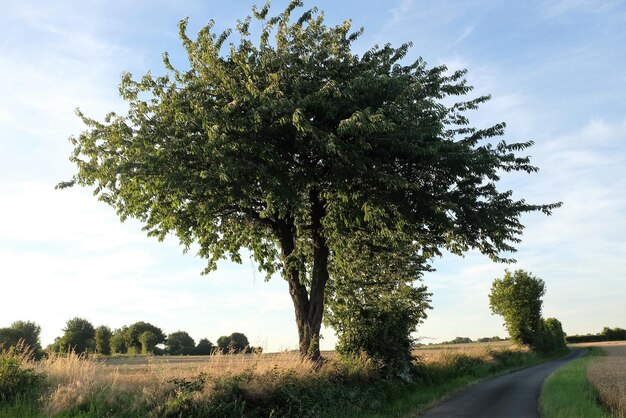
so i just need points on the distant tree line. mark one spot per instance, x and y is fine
(467, 340)
(80, 336)
(607, 334)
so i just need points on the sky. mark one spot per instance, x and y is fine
(556, 73)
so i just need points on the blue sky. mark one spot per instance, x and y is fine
(555, 69)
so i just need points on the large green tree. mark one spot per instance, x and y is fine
(287, 143)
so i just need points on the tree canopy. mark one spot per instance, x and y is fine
(180, 343)
(517, 297)
(103, 340)
(286, 144)
(133, 337)
(25, 331)
(78, 336)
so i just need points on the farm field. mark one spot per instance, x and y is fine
(225, 364)
(608, 376)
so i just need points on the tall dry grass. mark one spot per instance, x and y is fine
(171, 386)
(73, 380)
(608, 376)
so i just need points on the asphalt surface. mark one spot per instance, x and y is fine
(514, 395)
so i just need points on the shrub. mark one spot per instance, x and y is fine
(17, 375)
(551, 338)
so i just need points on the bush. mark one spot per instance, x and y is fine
(551, 338)
(17, 376)
(375, 302)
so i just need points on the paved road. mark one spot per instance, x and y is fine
(514, 395)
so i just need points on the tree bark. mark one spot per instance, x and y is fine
(309, 307)
(319, 275)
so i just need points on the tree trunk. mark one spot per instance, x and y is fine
(319, 275)
(309, 308)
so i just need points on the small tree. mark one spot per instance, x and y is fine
(204, 347)
(134, 332)
(517, 298)
(148, 340)
(118, 341)
(224, 344)
(180, 343)
(374, 303)
(79, 336)
(103, 340)
(238, 342)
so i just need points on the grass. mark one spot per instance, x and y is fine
(447, 371)
(252, 385)
(607, 377)
(567, 392)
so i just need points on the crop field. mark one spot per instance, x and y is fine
(231, 364)
(608, 376)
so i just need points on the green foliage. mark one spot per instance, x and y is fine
(148, 340)
(233, 343)
(614, 334)
(607, 334)
(568, 394)
(25, 331)
(103, 340)
(118, 341)
(204, 347)
(180, 343)
(238, 342)
(288, 144)
(223, 343)
(517, 298)
(373, 303)
(78, 336)
(551, 338)
(133, 333)
(17, 375)
(490, 339)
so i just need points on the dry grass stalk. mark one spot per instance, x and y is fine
(148, 380)
(608, 375)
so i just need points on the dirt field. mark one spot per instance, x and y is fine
(608, 375)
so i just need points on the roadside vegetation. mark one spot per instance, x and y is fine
(517, 297)
(254, 385)
(568, 394)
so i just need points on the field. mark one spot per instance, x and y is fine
(255, 384)
(608, 376)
